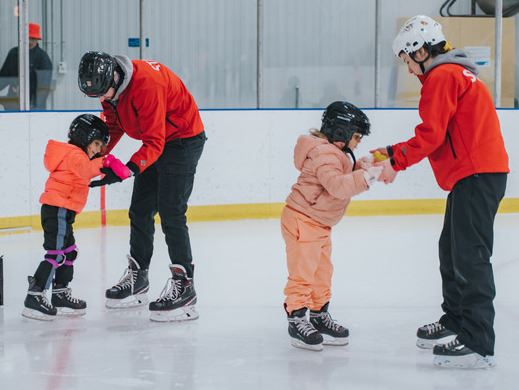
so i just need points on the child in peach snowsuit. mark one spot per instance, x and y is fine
(329, 178)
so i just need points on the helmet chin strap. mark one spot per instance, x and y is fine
(347, 150)
(119, 71)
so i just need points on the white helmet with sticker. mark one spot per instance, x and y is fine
(416, 32)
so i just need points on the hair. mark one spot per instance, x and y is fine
(440, 48)
(317, 133)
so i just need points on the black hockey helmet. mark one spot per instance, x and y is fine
(85, 129)
(341, 120)
(96, 73)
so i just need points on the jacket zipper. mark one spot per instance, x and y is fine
(452, 146)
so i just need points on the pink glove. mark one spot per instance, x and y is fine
(121, 170)
(388, 174)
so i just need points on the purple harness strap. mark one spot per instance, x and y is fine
(55, 252)
(70, 249)
(60, 252)
(54, 263)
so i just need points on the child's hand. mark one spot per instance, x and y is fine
(121, 170)
(365, 162)
(372, 174)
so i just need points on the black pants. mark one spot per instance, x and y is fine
(59, 242)
(165, 188)
(465, 245)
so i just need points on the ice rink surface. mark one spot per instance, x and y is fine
(386, 284)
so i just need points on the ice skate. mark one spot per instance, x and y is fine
(433, 334)
(65, 303)
(37, 307)
(332, 332)
(177, 300)
(131, 289)
(457, 355)
(302, 332)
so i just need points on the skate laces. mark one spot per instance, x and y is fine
(454, 344)
(433, 328)
(329, 322)
(171, 290)
(43, 298)
(129, 277)
(303, 325)
(127, 280)
(68, 294)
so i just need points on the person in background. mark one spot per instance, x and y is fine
(147, 101)
(327, 181)
(461, 137)
(40, 74)
(71, 165)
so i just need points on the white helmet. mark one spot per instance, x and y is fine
(415, 33)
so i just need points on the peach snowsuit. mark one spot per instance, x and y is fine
(317, 201)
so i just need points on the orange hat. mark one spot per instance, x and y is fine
(34, 31)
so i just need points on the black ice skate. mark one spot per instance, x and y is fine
(36, 304)
(177, 300)
(65, 303)
(131, 289)
(302, 332)
(433, 334)
(457, 355)
(332, 332)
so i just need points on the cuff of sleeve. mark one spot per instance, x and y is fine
(133, 167)
(390, 153)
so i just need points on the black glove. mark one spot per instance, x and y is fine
(110, 178)
(133, 167)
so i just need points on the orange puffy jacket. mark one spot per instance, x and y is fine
(70, 173)
(155, 107)
(460, 132)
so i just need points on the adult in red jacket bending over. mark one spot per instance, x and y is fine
(461, 137)
(148, 102)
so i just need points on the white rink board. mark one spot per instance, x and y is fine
(248, 157)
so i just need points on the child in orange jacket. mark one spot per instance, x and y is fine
(318, 200)
(71, 165)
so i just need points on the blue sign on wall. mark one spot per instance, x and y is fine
(136, 42)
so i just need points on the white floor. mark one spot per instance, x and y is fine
(386, 284)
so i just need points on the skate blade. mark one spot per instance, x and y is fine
(131, 301)
(36, 315)
(473, 360)
(429, 344)
(68, 312)
(338, 341)
(311, 347)
(186, 313)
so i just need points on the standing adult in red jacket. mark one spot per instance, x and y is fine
(461, 137)
(148, 102)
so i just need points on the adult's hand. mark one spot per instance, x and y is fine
(388, 173)
(382, 151)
